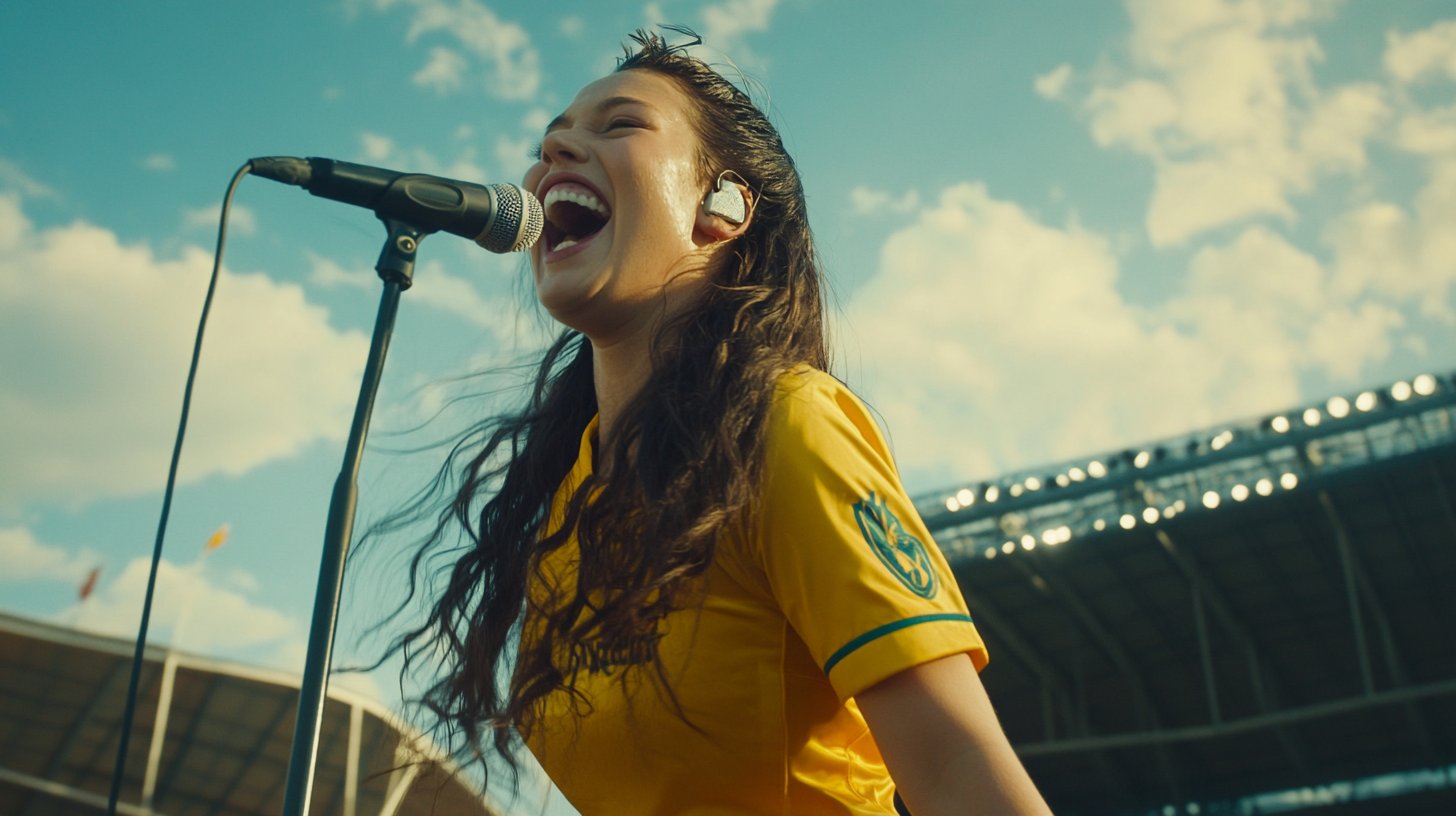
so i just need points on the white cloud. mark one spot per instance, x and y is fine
(443, 72)
(864, 201)
(726, 23)
(513, 156)
(1051, 84)
(572, 26)
(241, 220)
(95, 337)
(160, 162)
(23, 558)
(383, 150)
(1419, 55)
(213, 619)
(12, 176)
(992, 341)
(1220, 97)
(514, 64)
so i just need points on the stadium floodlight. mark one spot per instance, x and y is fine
(952, 505)
(992, 493)
(1280, 424)
(1289, 481)
(1096, 469)
(1099, 525)
(1425, 385)
(1210, 499)
(1032, 483)
(1016, 490)
(1264, 487)
(1338, 407)
(1180, 505)
(1077, 474)
(1401, 391)
(990, 552)
(1312, 417)
(1028, 542)
(965, 497)
(1008, 548)
(1239, 492)
(1127, 521)
(1142, 459)
(1170, 511)
(1150, 514)
(1063, 480)
(1366, 401)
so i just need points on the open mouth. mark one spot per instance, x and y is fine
(573, 214)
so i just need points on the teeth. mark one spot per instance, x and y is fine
(562, 192)
(564, 244)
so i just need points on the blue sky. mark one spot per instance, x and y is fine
(1053, 228)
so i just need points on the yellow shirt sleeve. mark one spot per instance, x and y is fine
(846, 555)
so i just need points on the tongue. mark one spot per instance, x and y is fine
(574, 220)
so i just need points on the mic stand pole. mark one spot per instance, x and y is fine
(396, 267)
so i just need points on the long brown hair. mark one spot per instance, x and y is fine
(683, 466)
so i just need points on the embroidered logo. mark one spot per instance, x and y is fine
(900, 552)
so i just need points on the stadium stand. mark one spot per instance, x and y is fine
(1259, 618)
(223, 746)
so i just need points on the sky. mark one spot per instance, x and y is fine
(1052, 229)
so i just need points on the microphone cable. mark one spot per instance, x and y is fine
(129, 712)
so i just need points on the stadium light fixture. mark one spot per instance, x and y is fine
(1401, 391)
(1096, 469)
(1210, 499)
(992, 493)
(1016, 490)
(1150, 514)
(1028, 542)
(1032, 483)
(1263, 487)
(1077, 474)
(1366, 401)
(1063, 480)
(1425, 385)
(1338, 407)
(1312, 417)
(1008, 548)
(1180, 505)
(1280, 424)
(1239, 492)
(1099, 525)
(965, 497)
(1289, 481)
(952, 505)
(1142, 459)
(1170, 511)
(1222, 440)
(990, 552)
(1127, 521)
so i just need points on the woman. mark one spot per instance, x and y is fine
(691, 552)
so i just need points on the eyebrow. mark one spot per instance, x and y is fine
(606, 104)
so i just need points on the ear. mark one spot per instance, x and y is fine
(715, 221)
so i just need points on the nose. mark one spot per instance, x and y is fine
(561, 146)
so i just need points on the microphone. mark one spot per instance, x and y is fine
(499, 217)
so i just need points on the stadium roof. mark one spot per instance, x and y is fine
(1247, 619)
(225, 737)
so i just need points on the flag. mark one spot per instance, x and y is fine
(90, 583)
(219, 538)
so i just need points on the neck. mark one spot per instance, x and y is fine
(619, 371)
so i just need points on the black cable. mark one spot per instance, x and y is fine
(141, 643)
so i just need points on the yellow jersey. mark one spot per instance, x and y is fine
(839, 587)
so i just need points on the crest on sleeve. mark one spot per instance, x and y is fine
(902, 553)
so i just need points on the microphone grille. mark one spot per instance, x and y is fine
(517, 222)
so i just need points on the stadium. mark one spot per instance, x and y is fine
(1252, 619)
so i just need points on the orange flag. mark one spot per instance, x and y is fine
(219, 538)
(90, 583)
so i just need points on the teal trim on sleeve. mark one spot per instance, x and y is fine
(880, 631)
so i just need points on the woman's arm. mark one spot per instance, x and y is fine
(943, 745)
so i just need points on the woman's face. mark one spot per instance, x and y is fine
(619, 180)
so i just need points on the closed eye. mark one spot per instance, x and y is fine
(536, 152)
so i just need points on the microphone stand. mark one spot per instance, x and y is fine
(396, 268)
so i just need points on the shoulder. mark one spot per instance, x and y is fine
(815, 416)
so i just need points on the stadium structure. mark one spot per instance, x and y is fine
(211, 738)
(1255, 619)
